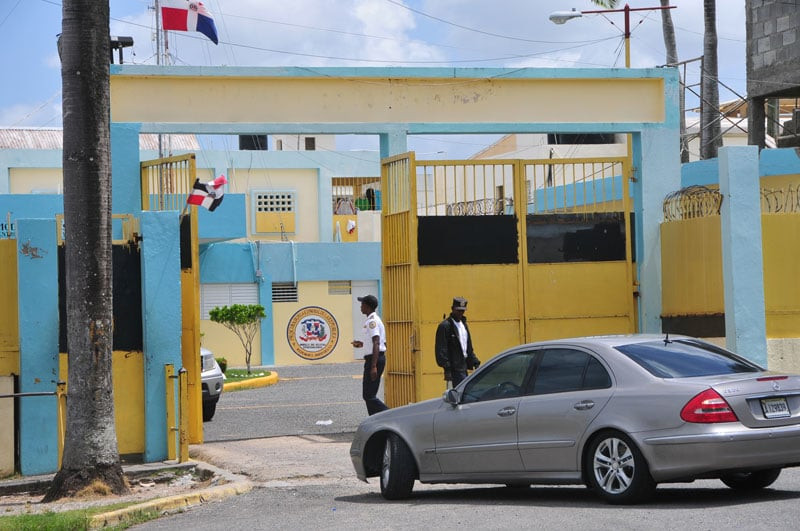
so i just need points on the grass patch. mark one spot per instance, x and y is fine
(239, 375)
(76, 520)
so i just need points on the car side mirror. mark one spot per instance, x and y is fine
(451, 396)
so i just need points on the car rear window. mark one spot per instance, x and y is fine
(682, 358)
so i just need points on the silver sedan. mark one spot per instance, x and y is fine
(619, 414)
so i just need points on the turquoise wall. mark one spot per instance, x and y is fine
(37, 270)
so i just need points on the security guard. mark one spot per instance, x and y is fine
(374, 345)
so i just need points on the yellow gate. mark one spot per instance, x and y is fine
(399, 259)
(540, 248)
(579, 277)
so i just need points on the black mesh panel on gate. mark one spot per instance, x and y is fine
(459, 240)
(594, 237)
(127, 295)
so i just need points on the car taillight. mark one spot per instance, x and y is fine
(708, 407)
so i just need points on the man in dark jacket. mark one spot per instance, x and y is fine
(454, 345)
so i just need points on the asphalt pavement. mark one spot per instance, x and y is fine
(303, 478)
(306, 400)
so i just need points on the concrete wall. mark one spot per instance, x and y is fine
(773, 48)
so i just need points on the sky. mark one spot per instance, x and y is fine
(419, 33)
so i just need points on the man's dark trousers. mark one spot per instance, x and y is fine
(369, 388)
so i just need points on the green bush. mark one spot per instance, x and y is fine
(223, 364)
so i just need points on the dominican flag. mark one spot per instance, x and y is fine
(208, 195)
(184, 15)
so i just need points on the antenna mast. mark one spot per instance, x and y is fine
(162, 58)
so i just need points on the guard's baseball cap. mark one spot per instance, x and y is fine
(369, 300)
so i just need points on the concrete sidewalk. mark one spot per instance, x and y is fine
(23, 495)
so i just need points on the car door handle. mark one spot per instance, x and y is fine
(583, 405)
(507, 411)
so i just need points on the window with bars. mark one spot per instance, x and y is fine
(218, 295)
(274, 201)
(351, 194)
(273, 211)
(284, 292)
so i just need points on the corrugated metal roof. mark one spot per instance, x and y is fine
(51, 138)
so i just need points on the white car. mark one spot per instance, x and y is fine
(212, 380)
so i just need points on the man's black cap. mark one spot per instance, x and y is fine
(459, 303)
(369, 300)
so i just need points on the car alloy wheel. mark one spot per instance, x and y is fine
(618, 470)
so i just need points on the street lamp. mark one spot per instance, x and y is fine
(560, 17)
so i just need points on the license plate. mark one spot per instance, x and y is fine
(775, 407)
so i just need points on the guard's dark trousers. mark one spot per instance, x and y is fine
(369, 388)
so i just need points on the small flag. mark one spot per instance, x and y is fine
(184, 15)
(208, 195)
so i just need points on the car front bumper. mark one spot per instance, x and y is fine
(212, 383)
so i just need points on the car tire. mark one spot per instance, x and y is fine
(209, 408)
(398, 469)
(617, 470)
(751, 480)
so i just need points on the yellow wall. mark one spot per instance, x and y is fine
(9, 320)
(691, 258)
(304, 184)
(691, 267)
(261, 98)
(314, 294)
(127, 372)
(44, 180)
(780, 238)
(342, 220)
(224, 344)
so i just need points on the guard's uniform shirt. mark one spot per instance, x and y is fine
(373, 326)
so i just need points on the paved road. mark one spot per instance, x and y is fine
(306, 480)
(319, 503)
(311, 399)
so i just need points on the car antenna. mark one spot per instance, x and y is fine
(666, 339)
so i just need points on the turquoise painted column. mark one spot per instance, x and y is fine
(37, 267)
(267, 334)
(325, 193)
(742, 260)
(126, 192)
(656, 162)
(161, 321)
(393, 142)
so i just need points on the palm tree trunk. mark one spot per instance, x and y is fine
(710, 129)
(90, 446)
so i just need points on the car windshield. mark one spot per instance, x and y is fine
(683, 358)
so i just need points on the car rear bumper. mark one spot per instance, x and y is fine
(694, 455)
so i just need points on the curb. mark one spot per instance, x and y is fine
(239, 485)
(252, 383)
